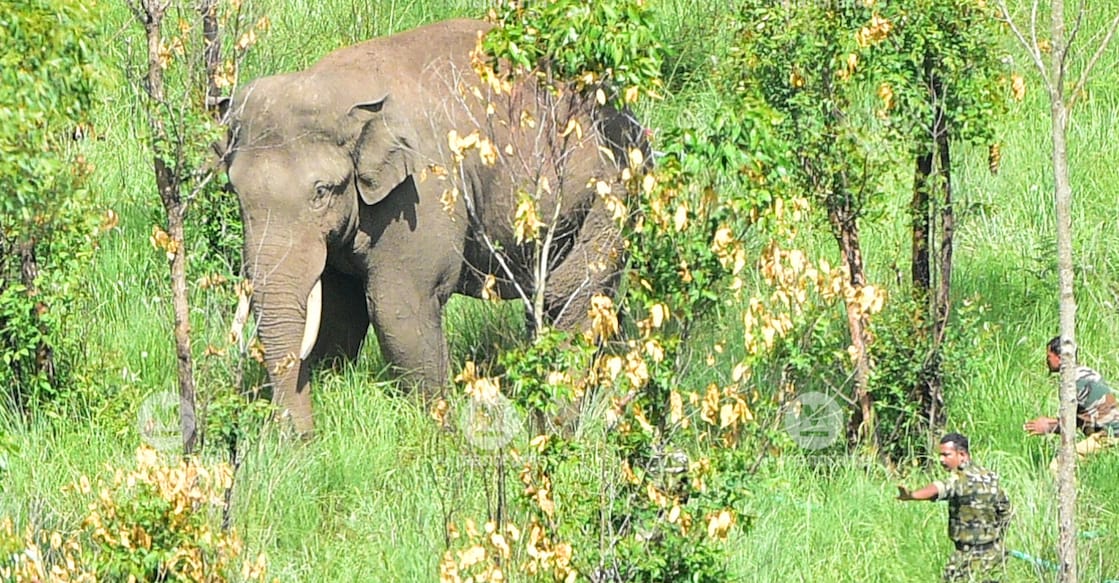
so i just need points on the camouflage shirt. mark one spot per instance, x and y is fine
(1096, 408)
(978, 509)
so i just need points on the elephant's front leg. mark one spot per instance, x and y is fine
(409, 325)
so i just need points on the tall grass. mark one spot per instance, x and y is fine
(367, 500)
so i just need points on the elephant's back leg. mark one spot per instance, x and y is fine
(345, 317)
(592, 266)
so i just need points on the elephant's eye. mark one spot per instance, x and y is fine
(322, 194)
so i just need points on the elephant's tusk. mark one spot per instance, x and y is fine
(314, 315)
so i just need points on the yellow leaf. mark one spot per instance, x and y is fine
(1018, 87)
(886, 94)
(631, 94)
(681, 218)
(527, 120)
(604, 321)
(439, 411)
(472, 556)
(544, 501)
(639, 415)
(675, 407)
(628, 474)
(740, 372)
(489, 289)
(600, 96)
(526, 223)
(710, 404)
(573, 125)
(674, 514)
(487, 152)
(469, 373)
(727, 416)
(636, 158)
(719, 524)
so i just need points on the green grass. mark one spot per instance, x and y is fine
(367, 499)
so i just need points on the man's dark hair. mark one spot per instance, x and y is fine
(1054, 346)
(958, 441)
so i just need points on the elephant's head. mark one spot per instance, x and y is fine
(305, 153)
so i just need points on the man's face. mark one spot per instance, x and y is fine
(951, 458)
(1053, 360)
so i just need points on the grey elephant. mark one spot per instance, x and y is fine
(344, 173)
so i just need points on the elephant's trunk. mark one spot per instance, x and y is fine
(287, 294)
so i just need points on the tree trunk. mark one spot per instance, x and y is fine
(1066, 465)
(212, 52)
(919, 212)
(150, 13)
(861, 428)
(934, 381)
(168, 185)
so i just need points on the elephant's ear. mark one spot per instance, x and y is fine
(384, 156)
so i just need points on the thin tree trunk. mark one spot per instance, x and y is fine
(169, 191)
(919, 212)
(942, 303)
(861, 427)
(150, 13)
(1066, 465)
(212, 52)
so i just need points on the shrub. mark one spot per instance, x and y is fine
(156, 522)
(48, 226)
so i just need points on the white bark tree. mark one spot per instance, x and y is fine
(1054, 59)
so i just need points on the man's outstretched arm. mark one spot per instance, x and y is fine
(1041, 426)
(929, 492)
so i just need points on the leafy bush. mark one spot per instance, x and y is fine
(633, 501)
(157, 522)
(48, 227)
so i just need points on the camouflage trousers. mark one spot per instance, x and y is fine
(978, 566)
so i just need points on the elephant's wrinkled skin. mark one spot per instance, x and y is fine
(336, 169)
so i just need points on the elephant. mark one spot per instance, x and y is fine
(344, 170)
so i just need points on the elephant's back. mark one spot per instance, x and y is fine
(408, 52)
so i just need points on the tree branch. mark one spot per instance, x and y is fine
(1083, 80)
(1030, 45)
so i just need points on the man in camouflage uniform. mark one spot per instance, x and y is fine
(978, 513)
(1097, 413)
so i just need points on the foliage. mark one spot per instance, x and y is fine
(48, 83)
(941, 58)
(213, 231)
(153, 523)
(805, 60)
(48, 225)
(590, 43)
(902, 369)
(861, 86)
(652, 510)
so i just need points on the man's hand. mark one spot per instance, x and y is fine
(904, 493)
(1040, 426)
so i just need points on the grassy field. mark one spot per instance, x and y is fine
(368, 498)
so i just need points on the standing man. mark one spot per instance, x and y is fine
(1097, 413)
(978, 513)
